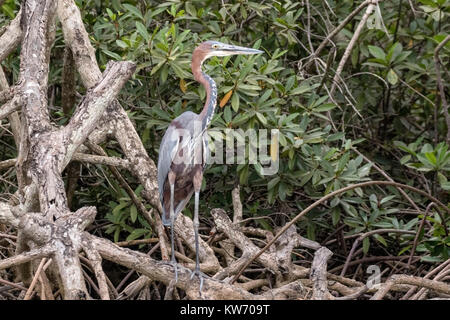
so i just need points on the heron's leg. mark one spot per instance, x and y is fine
(172, 220)
(196, 224)
(197, 185)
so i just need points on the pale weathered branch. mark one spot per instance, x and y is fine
(319, 274)
(224, 224)
(163, 271)
(34, 64)
(62, 237)
(96, 264)
(105, 160)
(94, 103)
(123, 130)
(7, 94)
(13, 118)
(26, 257)
(9, 107)
(438, 286)
(81, 157)
(10, 39)
(441, 271)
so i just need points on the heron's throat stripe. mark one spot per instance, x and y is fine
(211, 100)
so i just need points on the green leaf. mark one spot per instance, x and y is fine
(392, 77)
(380, 239)
(431, 157)
(142, 31)
(8, 10)
(227, 115)
(272, 183)
(325, 107)
(116, 234)
(243, 177)
(364, 170)
(119, 207)
(110, 13)
(335, 136)
(377, 52)
(299, 90)
(430, 259)
(441, 178)
(335, 216)
(261, 118)
(121, 44)
(343, 161)
(405, 159)
(265, 96)
(136, 233)
(112, 55)
(235, 101)
(386, 199)
(133, 10)
(133, 213)
(157, 67)
(282, 191)
(366, 245)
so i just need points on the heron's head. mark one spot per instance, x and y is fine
(209, 49)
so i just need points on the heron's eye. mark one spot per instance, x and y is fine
(215, 46)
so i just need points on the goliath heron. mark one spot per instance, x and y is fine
(183, 149)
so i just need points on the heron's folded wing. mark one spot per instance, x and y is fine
(167, 152)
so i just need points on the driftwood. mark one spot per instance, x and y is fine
(52, 243)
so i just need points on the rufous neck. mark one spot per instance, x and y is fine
(210, 88)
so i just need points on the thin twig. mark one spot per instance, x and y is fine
(441, 85)
(138, 203)
(365, 235)
(35, 279)
(341, 26)
(136, 242)
(411, 280)
(351, 44)
(355, 295)
(416, 238)
(13, 284)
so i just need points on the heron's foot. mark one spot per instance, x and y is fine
(175, 267)
(200, 276)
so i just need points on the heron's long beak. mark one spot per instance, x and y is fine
(231, 50)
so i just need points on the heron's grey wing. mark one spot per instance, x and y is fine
(170, 145)
(206, 151)
(167, 151)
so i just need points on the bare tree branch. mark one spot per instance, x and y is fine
(10, 39)
(411, 280)
(341, 26)
(91, 109)
(163, 271)
(348, 50)
(10, 107)
(319, 274)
